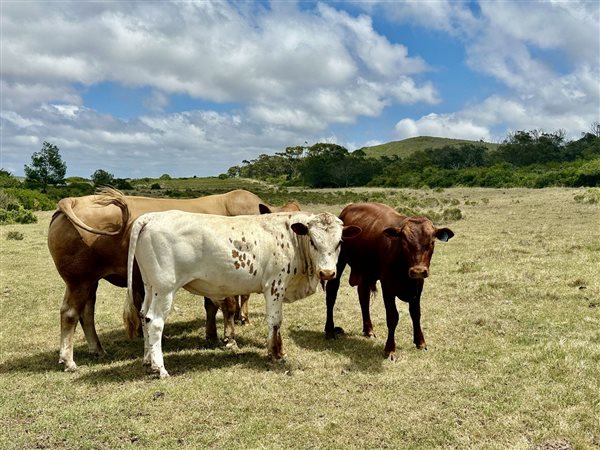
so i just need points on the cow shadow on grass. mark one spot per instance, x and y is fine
(179, 363)
(182, 341)
(364, 354)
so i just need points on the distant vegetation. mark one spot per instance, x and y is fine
(406, 147)
(524, 159)
(533, 159)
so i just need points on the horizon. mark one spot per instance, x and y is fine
(191, 89)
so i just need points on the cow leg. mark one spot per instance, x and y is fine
(331, 290)
(75, 299)
(155, 323)
(242, 310)
(211, 322)
(414, 307)
(144, 325)
(391, 318)
(87, 323)
(228, 306)
(138, 291)
(274, 304)
(364, 297)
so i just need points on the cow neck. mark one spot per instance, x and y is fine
(304, 261)
(303, 281)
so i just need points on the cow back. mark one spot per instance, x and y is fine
(371, 251)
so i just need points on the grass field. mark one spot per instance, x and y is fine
(511, 315)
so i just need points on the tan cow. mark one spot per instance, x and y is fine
(88, 239)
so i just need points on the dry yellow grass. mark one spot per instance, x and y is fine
(511, 314)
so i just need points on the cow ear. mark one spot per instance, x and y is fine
(444, 234)
(300, 229)
(393, 232)
(351, 231)
(264, 209)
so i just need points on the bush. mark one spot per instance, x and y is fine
(155, 186)
(32, 200)
(14, 236)
(7, 180)
(8, 202)
(591, 196)
(122, 184)
(20, 215)
(451, 215)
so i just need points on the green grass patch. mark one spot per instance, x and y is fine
(511, 315)
(409, 146)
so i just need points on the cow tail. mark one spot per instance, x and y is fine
(131, 315)
(107, 197)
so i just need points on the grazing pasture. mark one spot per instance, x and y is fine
(511, 312)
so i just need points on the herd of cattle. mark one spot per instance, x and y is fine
(225, 247)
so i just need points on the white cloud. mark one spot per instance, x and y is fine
(545, 56)
(289, 71)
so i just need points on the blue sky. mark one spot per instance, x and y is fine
(193, 88)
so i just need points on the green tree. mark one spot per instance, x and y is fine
(102, 178)
(47, 167)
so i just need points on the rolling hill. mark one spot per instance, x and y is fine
(407, 146)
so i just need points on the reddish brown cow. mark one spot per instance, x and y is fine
(397, 251)
(88, 239)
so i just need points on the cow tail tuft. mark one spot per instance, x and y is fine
(131, 317)
(131, 314)
(373, 289)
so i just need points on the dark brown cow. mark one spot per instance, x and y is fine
(88, 239)
(397, 251)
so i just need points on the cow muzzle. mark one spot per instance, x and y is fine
(418, 272)
(326, 275)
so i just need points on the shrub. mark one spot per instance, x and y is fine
(8, 202)
(155, 186)
(19, 215)
(7, 180)
(590, 196)
(451, 215)
(32, 200)
(14, 236)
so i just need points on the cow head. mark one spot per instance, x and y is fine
(324, 233)
(416, 236)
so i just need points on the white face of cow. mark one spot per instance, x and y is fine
(324, 234)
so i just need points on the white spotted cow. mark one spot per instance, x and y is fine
(282, 255)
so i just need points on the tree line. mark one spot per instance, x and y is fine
(524, 159)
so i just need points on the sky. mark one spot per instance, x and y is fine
(192, 88)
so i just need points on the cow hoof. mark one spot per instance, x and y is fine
(422, 347)
(158, 372)
(369, 335)
(392, 357)
(97, 351)
(230, 344)
(277, 359)
(69, 367)
(337, 331)
(212, 343)
(244, 322)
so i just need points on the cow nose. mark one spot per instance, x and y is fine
(418, 272)
(327, 275)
